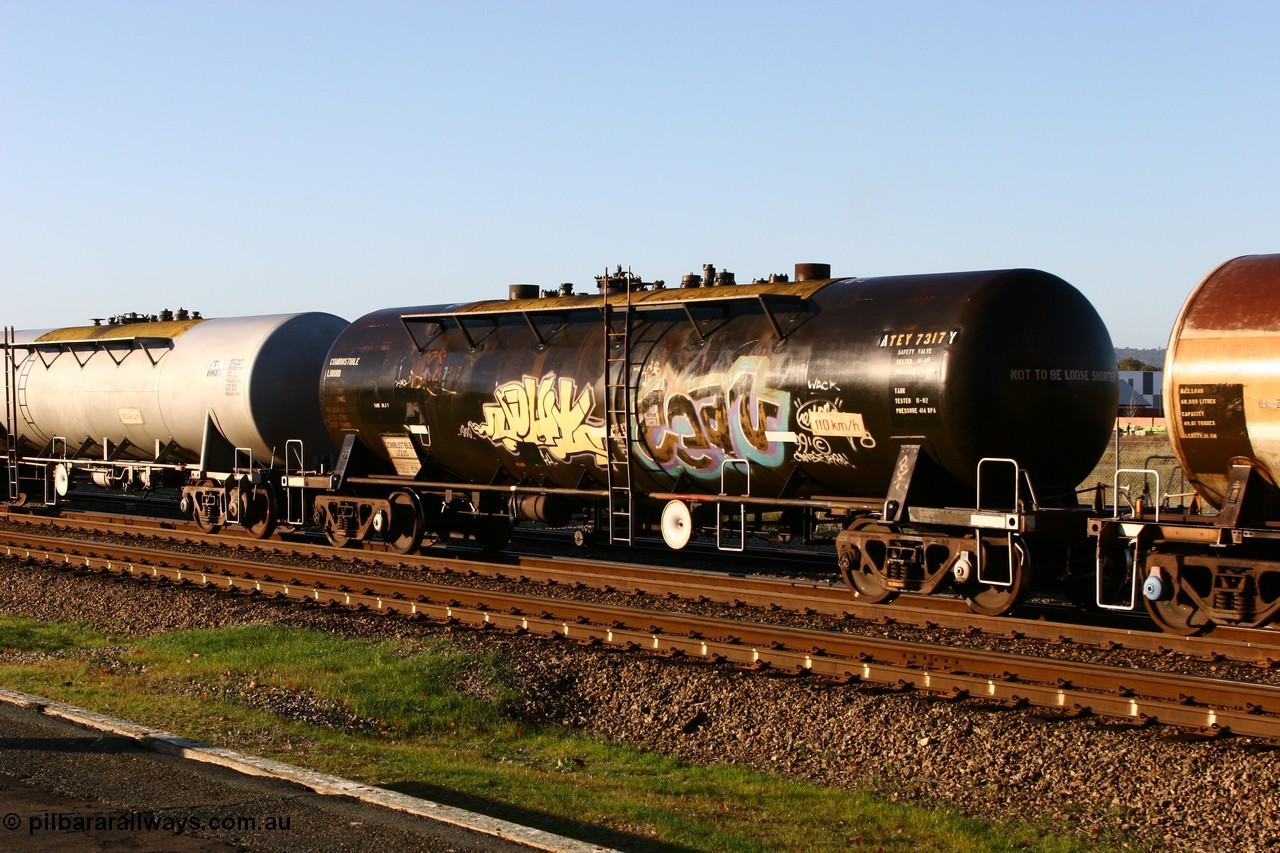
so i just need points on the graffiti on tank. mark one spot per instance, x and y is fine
(828, 433)
(696, 424)
(816, 449)
(549, 413)
(430, 370)
(425, 372)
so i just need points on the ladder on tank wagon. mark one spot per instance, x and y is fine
(620, 376)
(11, 414)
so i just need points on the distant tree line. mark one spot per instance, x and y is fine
(1134, 358)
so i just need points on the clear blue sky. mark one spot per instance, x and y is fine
(260, 157)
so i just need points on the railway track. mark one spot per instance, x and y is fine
(1045, 622)
(1206, 705)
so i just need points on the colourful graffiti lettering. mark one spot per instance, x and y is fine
(549, 413)
(695, 426)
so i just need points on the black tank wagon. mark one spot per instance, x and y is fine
(942, 421)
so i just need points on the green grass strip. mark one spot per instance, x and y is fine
(430, 719)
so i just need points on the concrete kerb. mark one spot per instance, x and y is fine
(321, 783)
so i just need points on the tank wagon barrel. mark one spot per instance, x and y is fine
(1222, 377)
(815, 385)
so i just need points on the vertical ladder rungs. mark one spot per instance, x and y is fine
(617, 388)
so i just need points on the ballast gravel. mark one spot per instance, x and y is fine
(1144, 786)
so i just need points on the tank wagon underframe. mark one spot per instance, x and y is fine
(1191, 570)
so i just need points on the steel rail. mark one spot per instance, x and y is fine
(1205, 704)
(1057, 625)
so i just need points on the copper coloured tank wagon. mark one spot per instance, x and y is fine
(1222, 396)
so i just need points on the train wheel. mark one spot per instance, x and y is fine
(61, 479)
(207, 524)
(337, 538)
(860, 573)
(405, 532)
(1178, 616)
(258, 512)
(868, 586)
(997, 600)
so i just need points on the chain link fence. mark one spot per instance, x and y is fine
(1142, 467)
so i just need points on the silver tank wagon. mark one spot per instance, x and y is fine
(139, 385)
(144, 402)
